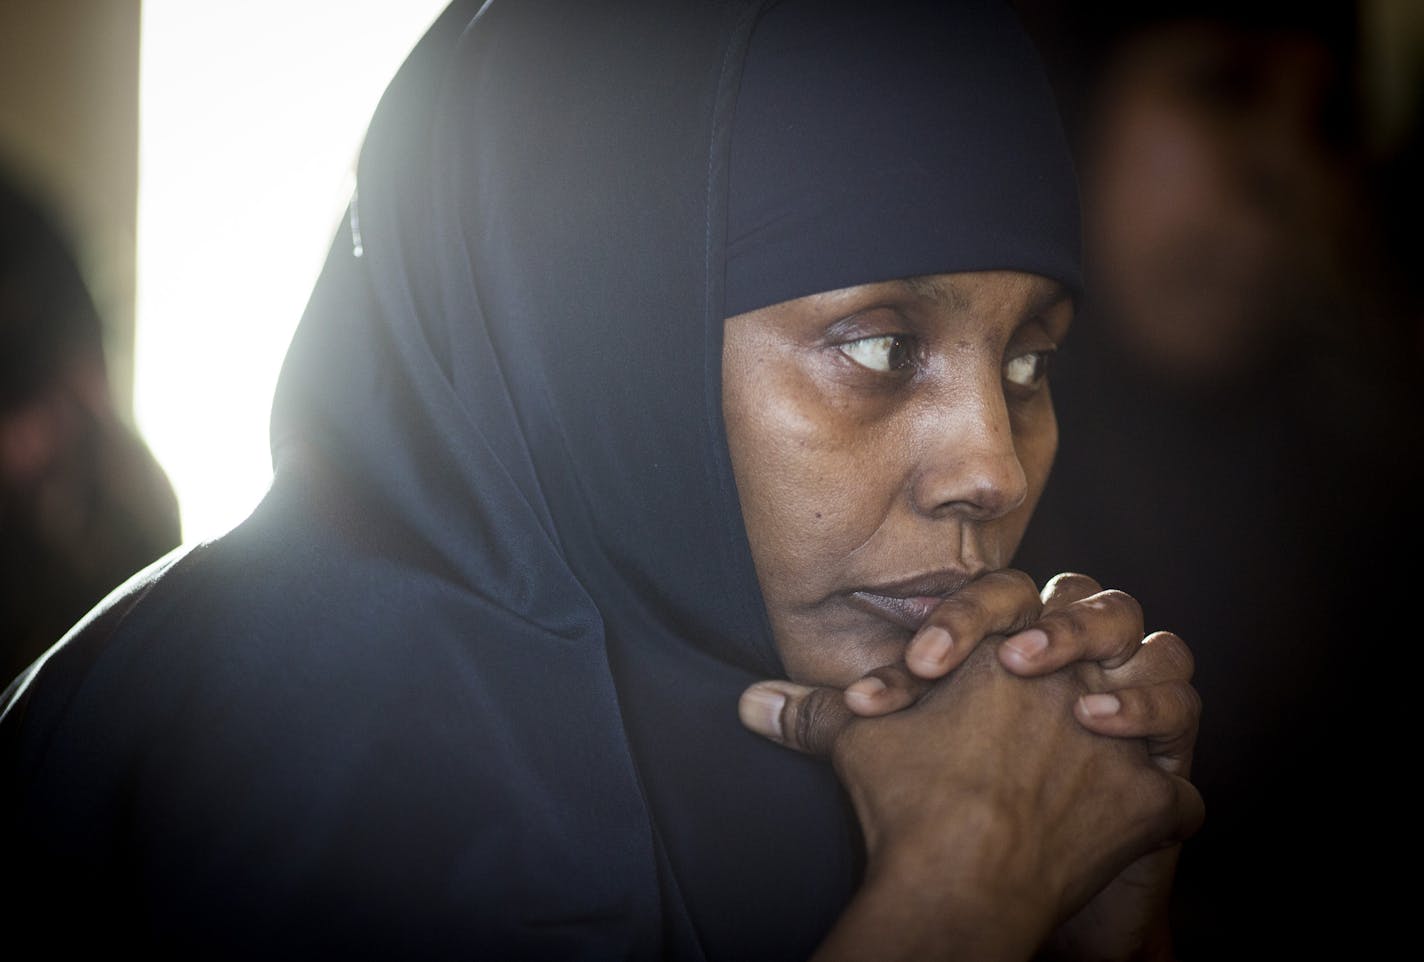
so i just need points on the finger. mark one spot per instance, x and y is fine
(1165, 810)
(1174, 812)
(885, 690)
(1162, 656)
(1189, 811)
(1000, 602)
(1066, 588)
(1166, 715)
(1105, 627)
(806, 719)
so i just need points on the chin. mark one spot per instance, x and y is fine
(837, 659)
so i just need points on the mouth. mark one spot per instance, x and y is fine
(907, 603)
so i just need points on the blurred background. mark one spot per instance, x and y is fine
(1240, 426)
(1239, 400)
(171, 174)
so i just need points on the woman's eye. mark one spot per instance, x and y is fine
(1027, 370)
(885, 352)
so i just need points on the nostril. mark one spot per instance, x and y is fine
(996, 497)
(979, 487)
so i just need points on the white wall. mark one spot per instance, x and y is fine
(251, 115)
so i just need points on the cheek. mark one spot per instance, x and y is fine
(804, 467)
(1036, 442)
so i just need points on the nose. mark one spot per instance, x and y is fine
(969, 466)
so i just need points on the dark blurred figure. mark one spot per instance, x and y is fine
(83, 504)
(1239, 411)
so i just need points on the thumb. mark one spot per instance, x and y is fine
(806, 719)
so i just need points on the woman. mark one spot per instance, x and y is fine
(468, 679)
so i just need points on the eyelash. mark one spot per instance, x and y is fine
(900, 350)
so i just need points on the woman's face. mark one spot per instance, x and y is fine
(889, 443)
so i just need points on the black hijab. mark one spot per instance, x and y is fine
(466, 681)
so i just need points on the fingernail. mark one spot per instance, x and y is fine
(760, 710)
(1101, 706)
(933, 646)
(866, 687)
(1027, 644)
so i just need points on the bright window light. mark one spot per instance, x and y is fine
(251, 115)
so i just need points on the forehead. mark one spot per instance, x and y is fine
(965, 293)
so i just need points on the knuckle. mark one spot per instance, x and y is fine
(1173, 654)
(1119, 605)
(960, 610)
(1168, 715)
(815, 722)
(1002, 600)
(1158, 797)
(1168, 710)
(1172, 808)
(1016, 579)
(1189, 703)
(1072, 622)
(1029, 604)
(1071, 583)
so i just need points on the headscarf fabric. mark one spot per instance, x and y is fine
(466, 680)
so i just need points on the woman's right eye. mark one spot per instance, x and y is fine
(885, 353)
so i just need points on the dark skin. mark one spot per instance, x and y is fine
(1017, 759)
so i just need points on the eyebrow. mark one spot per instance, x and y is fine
(942, 290)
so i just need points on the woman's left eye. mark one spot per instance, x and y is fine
(1028, 370)
(884, 352)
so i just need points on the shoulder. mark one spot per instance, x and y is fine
(300, 716)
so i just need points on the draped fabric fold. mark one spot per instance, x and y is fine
(466, 680)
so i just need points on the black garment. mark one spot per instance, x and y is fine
(466, 681)
(1270, 523)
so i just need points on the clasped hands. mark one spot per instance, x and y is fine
(1020, 777)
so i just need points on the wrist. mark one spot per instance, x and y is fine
(918, 903)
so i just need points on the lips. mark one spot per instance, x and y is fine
(908, 602)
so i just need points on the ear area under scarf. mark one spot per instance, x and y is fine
(580, 183)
